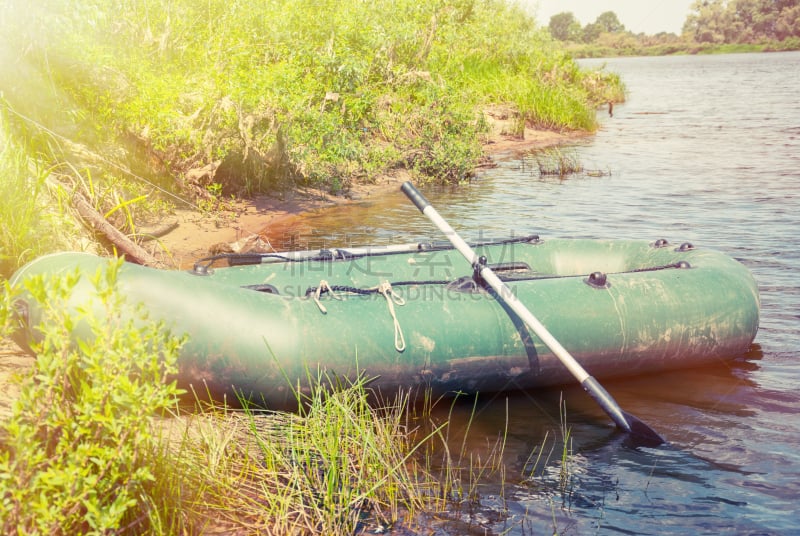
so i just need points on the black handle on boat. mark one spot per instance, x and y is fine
(625, 421)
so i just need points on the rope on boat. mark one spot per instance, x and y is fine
(679, 265)
(384, 289)
(324, 287)
(393, 299)
(514, 278)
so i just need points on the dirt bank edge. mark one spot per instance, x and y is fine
(237, 227)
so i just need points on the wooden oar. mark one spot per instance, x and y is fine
(641, 432)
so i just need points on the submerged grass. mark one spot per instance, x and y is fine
(555, 162)
(339, 466)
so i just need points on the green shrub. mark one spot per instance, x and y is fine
(77, 443)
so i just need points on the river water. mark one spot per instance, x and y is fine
(706, 150)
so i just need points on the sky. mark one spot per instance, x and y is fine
(648, 16)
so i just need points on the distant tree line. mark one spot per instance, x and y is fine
(565, 27)
(743, 21)
(709, 21)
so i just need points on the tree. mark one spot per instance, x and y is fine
(605, 23)
(743, 21)
(591, 32)
(608, 22)
(564, 26)
(704, 23)
(788, 24)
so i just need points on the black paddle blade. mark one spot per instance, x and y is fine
(640, 434)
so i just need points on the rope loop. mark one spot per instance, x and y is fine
(393, 299)
(324, 287)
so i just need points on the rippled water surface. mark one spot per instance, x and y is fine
(707, 150)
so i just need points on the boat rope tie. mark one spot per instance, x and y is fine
(384, 289)
(324, 287)
(393, 299)
(681, 265)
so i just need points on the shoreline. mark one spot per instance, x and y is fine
(245, 224)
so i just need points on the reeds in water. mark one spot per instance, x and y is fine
(554, 162)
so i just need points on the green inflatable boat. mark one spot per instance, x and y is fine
(415, 316)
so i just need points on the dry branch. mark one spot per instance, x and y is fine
(130, 249)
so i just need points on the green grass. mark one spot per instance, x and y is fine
(339, 465)
(278, 93)
(628, 45)
(31, 222)
(126, 103)
(99, 440)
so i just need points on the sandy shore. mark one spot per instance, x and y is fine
(239, 227)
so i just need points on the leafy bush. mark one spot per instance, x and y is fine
(75, 455)
(86, 450)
